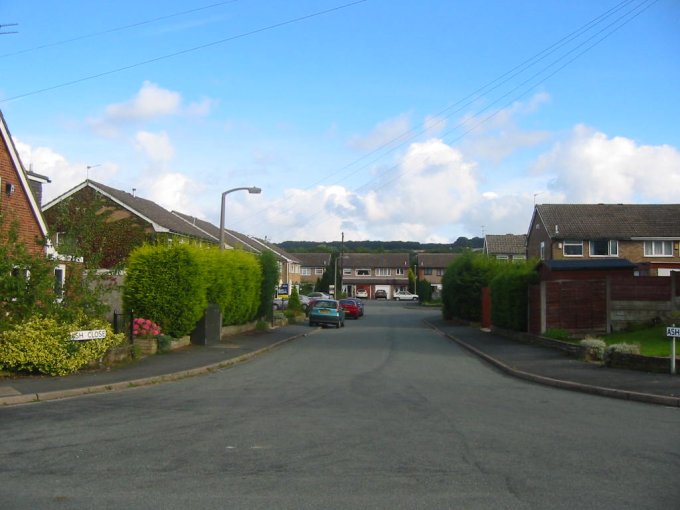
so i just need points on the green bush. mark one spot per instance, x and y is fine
(234, 283)
(167, 285)
(462, 285)
(557, 334)
(44, 345)
(510, 294)
(294, 304)
(270, 278)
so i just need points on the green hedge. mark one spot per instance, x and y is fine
(167, 284)
(234, 283)
(172, 285)
(43, 345)
(510, 295)
(462, 285)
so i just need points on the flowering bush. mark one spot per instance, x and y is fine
(145, 328)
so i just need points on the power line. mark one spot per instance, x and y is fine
(526, 85)
(184, 52)
(112, 30)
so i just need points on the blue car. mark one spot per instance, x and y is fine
(327, 312)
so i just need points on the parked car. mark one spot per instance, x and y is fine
(352, 308)
(304, 301)
(319, 295)
(380, 294)
(327, 312)
(404, 295)
(362, 293)
(280, 304)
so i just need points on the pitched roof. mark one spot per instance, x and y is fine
(610, 221)
(231, 238)
(21, 174)
(370, 260)
(510, 244)
(314, 259)
(435, 260)
(161, 219)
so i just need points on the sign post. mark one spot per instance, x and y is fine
(673, 332)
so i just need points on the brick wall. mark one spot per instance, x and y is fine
(17, 206)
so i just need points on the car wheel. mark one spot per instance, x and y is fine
(415, 299)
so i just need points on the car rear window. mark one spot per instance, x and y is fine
(324, 304)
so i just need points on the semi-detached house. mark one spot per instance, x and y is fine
(373, 271)
(647, 235)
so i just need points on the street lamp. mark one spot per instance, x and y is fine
(253, 190)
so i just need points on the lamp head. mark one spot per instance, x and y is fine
(254, 190)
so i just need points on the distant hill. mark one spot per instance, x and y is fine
(382, 246)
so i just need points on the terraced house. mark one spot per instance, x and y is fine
(373, 271)
(647, 235)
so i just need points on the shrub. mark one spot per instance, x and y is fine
(294, 304)
(145, 328)
(167, 285)
(595, 348)
(462, 285)
(270, 278)
(44, 345)
(510, 294)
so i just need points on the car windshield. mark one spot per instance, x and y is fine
(324, 304)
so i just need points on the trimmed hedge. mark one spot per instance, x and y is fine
(167, 284)
(43, 345)
(172, 285)
(234, 283)
(462, 285)
(510, 295)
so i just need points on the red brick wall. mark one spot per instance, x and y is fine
(17, 207)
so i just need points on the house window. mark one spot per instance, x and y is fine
(518, 258)
(347, 271)
(382, 271)
(306, 271)
(439, 272)
(502, 257)
(399, 271)
(59, 279)
(658, 248)
(573, 248)
(427, 271)
(363, 272)
(604, 248)
(318, 270)
(542, 250)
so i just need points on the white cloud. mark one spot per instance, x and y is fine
(151, 101)
(174, 191)
(156, 146)
(382, 134)
(62, 173)
(494, 136)
(591, 167)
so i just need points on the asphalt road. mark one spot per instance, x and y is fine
(383, 413)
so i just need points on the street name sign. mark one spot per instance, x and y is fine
(92, 334)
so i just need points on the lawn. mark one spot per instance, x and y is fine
(652, 341)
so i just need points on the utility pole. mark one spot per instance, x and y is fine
(342, 257)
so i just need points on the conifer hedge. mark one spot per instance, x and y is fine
(172, 285)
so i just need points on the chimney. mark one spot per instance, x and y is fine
(134, 192)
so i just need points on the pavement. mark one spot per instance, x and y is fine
(538, 364)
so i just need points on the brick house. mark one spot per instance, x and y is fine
(432, 266)
(18, 201)
(646, 234)
(373, 271)
(506, 246)
(130, 221)
(313, 266)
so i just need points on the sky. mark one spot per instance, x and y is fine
(379, 119)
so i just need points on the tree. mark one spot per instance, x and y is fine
(26, 280)
(270, 279)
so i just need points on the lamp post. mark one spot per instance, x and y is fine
(253, 190)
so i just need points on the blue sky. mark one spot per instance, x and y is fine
(385, 120)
